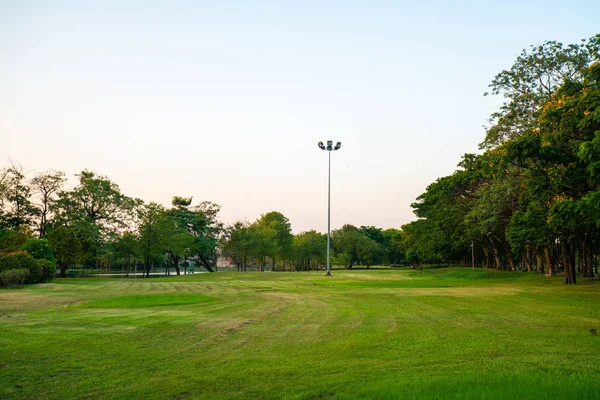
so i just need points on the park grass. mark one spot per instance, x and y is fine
(385, 334)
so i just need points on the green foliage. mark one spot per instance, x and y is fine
(276, 236)
(354, 246)
(534, 77)
(48, 269)
(66, 247)
(46, 185)
(11, 241)
(310, 249)
(9, 261)
(26, 260)
(17, 212)
(39, 249)
(14, 277)
(37, 270)
(93, 210)
(532, 196)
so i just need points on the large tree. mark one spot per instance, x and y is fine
(277, 235)
(66, 247)
(94, 209)
(532, 80)
(46, 185)
(17, 211)
(310, 250)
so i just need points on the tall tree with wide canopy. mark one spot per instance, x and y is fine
(536, 74)
(46, 185)
(93, 209)
(17, 210)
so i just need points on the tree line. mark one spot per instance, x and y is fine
(94, 225)
(268, 243)
(531, 199)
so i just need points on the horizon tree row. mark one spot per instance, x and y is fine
(268, 244)
(95, 225)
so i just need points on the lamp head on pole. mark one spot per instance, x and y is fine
(321, 146)
(329, 145)
(338, 145)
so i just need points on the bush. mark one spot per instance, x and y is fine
(12, 241)
(39, 248)
(9, 261)
(35, 270)
(48, 270)
(13, 277)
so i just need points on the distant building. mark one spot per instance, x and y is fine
(225, 262)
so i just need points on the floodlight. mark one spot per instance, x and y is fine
(329, 148)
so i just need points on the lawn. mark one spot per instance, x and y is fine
(439, 334)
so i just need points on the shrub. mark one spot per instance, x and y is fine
(39, 248)
(11, 241)
(13, 277)
(9, 261)
(27, 261)
(48, 270)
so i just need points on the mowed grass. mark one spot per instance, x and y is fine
(379, 334)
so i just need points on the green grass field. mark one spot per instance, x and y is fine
(376, 334)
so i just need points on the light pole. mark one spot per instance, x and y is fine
(329, 149)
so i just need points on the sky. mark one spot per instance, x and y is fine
(226, 101)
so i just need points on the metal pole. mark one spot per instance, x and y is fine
(329, 217)
(472, 255)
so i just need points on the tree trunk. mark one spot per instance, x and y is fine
(568, 265)
(538, 260)
(509, 257)
(207, 265)
(549, 265)
(486, 253)
(497, 258)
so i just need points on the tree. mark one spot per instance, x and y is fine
(310, 250)
(17, 210)
(151, 234)
(531, 81)
(126, 248)
(201, 225)
(277, 235)
(11, 241)
(66, 247)
(238, 244)
(40, 249)
(394, 247)
(94, 209)
(352, 246)
(45, 185)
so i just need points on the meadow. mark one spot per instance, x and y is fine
(364, 334)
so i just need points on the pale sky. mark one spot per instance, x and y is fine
(226, 101)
